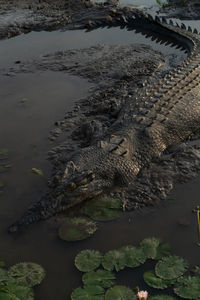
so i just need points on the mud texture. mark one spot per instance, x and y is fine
(115, 72)
(183, 10)
(23, 16)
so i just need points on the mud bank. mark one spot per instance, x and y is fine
(18, 17)
(115, 71)
(183, 10)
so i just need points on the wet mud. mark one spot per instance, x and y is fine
(183, 10)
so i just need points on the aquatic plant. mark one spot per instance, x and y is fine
(197, 210)
(156, 282)
(88, 292)
(120, 292)
(103, 208)
(17, 282)
(100, 277)
(168, 272)
(27, 273)
(142, 295)
(88, 260)
(188, 287)
(76, 229)
(171, 267)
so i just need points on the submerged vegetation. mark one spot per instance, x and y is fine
(169, 271)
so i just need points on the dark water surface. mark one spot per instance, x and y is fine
(29, 105)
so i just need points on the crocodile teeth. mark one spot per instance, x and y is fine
(183, 26)
(195, 31)
(189, 29)
(171, 23)
(164, 21)
(157, 19)
(177, 25)
(150, 17)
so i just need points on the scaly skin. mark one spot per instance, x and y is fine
(160, 115)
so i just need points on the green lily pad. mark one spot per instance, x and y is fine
(103, 208)
(37, 171)
(150, 247)
(27, 274)
(171, 267)
(76, 229)
(2, 263)
(88, 260)
(134, 256)
(101, 278)
(15, 292)
(120, 292)
(161, 297)
(3, 275)
(188, 287)
(158, 283)
(163, 250)
(196, 270)
(88, 292)
(114, 259)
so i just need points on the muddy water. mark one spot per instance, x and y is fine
(29, 105)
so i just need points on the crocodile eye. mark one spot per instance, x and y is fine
(71, 186)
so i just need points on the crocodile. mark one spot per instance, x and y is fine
(159, 116)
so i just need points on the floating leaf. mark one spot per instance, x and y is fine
(196, 270)
(114, 259)
(152, 280)
(3, 275)
(28, 274)
(188, 287)
(163, 250)
(171, 267)
(88, 292)
(134, 256)
(149, 246)
(88, 260)
(101, 278)
(161, 297)
(103, 208)
(120, 292)
(76, 229)
(2, 263)
(15, 292)
(37, 171)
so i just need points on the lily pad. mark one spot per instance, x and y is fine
(158, 283)
(103, 208)
(188, 287)
(88, 292)
(3, 275)
(114, 259)
(163, 250)
(27, 273)
(134, 256)
(101, 278)
(161, 297)
(37, 171)
(171, 267)
(120, 292)
(150, 246)
(15, 292)
(76, 229)
(2, 263)
(88, 260)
